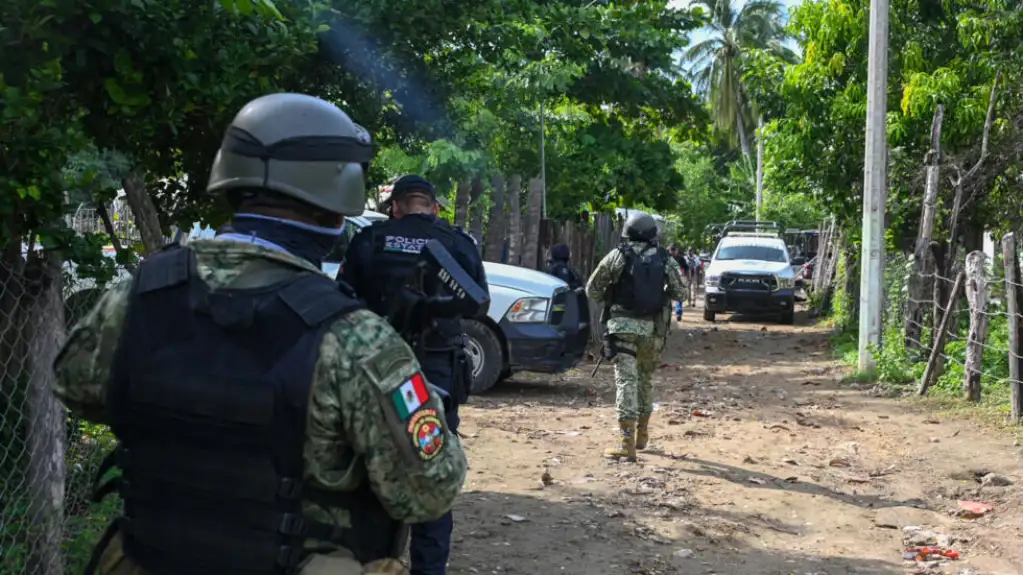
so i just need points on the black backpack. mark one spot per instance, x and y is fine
(640, 288)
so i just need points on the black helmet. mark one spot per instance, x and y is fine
(640, 227)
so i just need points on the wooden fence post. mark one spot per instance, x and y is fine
(1014, 299)
(514, 220)
(976, 295)
(938, 344)
(496, 225)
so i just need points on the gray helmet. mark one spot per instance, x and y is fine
(298, 146)
(640, 227)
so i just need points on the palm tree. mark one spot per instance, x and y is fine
(718, 61)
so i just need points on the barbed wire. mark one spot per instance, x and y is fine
(975, 342)
(48, 459)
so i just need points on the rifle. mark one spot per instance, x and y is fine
(438, 288)
(607, 347)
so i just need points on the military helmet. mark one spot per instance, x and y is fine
(640, 227)
(298, 146)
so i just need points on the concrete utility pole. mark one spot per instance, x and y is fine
(875, 186)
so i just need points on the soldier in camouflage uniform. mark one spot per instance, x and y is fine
(267, 422)
(638, 280)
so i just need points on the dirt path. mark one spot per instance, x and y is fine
(790, 472)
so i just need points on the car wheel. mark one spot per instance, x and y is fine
(486, 355)
(708, 315)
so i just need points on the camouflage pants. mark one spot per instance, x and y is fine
(633, 388)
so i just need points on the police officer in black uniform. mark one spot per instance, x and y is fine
(379, 262)
(559, 267)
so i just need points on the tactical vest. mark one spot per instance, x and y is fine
(640, 287)
(208, 399)
(396, 247)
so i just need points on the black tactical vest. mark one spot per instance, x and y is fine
(640, 287)
(396, 247)
(208, 398)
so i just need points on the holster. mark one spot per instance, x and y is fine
(463, 374)
(609, 349)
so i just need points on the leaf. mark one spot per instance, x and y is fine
(115, 91)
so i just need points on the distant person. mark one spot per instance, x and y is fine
(559, 267)
(684, 266)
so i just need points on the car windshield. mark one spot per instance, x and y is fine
(759, 253)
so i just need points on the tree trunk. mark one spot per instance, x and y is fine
(477, 212)
(515, 220)
(760, 168)
(976, 294)
(495, 223)
(462, 199)
(47, 418)
(744, 143)
(921, 279)
(852, 283)
(534, 205)
(146, 217)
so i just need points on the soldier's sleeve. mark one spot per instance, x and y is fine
(604, 276)
(82, 367)
(676, 287)
(414, 462)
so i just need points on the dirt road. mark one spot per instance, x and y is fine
(788, 471)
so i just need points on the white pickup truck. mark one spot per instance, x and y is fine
(535, 322)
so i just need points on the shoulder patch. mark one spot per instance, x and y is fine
(410, 396)
(427, 434)
(387, 362)
(412, 416)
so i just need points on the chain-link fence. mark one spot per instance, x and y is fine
(47, 458)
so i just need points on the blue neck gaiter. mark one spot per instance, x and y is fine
(309, 242)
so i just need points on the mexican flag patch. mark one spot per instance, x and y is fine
(410, 396)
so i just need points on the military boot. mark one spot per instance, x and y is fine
(643, 432)
(627, 447)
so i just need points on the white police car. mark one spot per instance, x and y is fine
(750, 272)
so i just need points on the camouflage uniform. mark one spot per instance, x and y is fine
(342, 418)
(644, 337)
(373, 449)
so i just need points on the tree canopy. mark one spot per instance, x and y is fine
(104, 94)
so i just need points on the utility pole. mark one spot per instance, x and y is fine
(760, 167)
(875, 186)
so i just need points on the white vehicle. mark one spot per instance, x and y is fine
(750, 272)
(535, 323)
